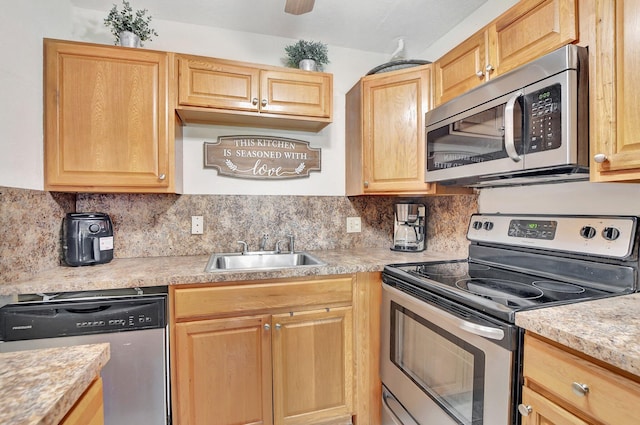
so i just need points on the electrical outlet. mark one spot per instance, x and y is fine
(354, 225)
(197, 225)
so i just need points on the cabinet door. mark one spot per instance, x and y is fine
(223, 374)
(545, 412)
(217, 84)
(462, 68)
(296, 93)
(529, 30)
(107, 119)
(615, 117)
(89, 409)
(393, 131)
(312, 366)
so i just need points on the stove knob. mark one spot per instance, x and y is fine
(587, 232)
(610, 233)
(488, 225)
(477, 225)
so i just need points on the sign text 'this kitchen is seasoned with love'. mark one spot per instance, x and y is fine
(261, 157)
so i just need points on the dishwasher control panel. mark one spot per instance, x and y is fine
(70, 318)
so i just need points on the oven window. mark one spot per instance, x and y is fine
(446, 368)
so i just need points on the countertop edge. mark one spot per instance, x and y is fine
(49, 382)
(599, 329)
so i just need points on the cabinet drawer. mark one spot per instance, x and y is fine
(253, 297)
(610, 396)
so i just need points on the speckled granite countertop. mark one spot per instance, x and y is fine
(40, 386)
(160, 271)
(606, 329)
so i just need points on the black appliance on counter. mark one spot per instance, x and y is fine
(87, 238)
(462, 312)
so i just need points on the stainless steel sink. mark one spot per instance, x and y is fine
(260, 260)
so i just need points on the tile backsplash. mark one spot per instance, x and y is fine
(150, 225)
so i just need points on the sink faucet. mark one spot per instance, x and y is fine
(245, 247)
(292, 242)
(263, 242)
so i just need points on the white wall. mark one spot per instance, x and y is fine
(23, 24)
(21, 152)
(563, 198)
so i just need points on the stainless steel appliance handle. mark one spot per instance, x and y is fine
(484, 331)
(509, 143)
(387, 398)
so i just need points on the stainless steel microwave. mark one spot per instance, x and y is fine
(527, 126)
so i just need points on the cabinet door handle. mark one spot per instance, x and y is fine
(489, 68)
(366, 184)
(579, 389)
(600, 158)
(264, 102)
(479, 73)
(162, 176)
(278, 325)
(524, 409)
(267, 326)
(254, 101)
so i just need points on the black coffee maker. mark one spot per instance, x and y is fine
(87, 238)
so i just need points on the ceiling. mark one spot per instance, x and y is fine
(369, 25)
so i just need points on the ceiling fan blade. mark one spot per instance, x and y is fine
(298, 7)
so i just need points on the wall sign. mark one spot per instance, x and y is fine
(261, 157)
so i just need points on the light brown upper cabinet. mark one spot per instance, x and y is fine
(529, 29)
(216, 91)
(109, 125)
(615, 116)
(385, 134)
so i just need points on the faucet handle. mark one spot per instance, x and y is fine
(278, 250)
(245, 246)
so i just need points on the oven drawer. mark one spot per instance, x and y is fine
(610, 398)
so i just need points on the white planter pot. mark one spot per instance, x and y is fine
(307, 65)
(129, 39)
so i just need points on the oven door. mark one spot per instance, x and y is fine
(442, 369)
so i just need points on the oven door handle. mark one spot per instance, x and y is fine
(509, 142)
(387, 400)
(480, 330)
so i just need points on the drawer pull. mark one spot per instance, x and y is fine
(524, 409)
(579, 389)
(267, 326)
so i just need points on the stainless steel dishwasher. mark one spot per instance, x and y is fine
(133, 321)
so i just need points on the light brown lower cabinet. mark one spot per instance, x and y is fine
(89, 409)
(563, 387)
(271, 353)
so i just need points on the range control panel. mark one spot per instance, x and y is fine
(606, 236)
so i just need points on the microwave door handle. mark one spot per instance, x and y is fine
(509, 142)
(406, 420)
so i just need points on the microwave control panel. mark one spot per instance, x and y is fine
(543, 113)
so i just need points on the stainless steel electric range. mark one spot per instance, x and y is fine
(450, 349)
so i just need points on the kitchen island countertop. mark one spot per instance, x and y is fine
(605, 329)
(39, 387)
(161, 271)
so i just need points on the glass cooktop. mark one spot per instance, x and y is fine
(499, 292)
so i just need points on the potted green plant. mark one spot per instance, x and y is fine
(301, 52)
(130, 28)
